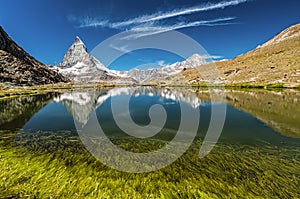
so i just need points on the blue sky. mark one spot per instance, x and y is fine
(225, 29)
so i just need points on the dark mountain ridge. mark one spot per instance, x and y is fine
(20, 68)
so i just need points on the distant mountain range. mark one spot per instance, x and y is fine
(18, 67)
(276, 61)
(80, 66)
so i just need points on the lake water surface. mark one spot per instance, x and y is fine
(258, 119)
(252, 117)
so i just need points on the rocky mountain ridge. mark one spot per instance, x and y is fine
(20, 68)
(275, 62)
(80, 66)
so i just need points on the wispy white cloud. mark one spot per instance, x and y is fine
(150, 29)
(86, 22)
(123, 49)
(95, 22)
(162, 63)
(214, 57)
(151, 24)
(178, 12)
(149, 64)
(92, 22)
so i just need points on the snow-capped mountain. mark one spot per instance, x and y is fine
(150, 75)
(192, 61)
(80, 66)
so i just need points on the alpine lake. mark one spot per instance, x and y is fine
(43, 151)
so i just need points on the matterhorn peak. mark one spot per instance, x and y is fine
(78, 41)
(80, 66)
(76, 53)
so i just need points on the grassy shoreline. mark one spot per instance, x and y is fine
(14, 91)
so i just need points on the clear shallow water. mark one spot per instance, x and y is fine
(257, 154)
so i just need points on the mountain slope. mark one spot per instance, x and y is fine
(17, 66)
(276, 61)
(81, 67)
(159, 74)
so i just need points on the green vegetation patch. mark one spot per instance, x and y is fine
(57, 165)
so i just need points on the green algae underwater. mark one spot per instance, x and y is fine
(54, 163)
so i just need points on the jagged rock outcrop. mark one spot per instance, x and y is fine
(18, 67)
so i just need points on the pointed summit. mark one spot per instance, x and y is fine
(78, 41)
(76, 53)
(77, 38)
(80, 66)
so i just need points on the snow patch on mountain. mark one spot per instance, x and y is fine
(80, 66)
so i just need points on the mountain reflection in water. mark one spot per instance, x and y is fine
(251, 114)
(81, 104)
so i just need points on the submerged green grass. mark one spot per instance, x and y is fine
(57, 165)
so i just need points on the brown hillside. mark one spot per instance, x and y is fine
(276, 61)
